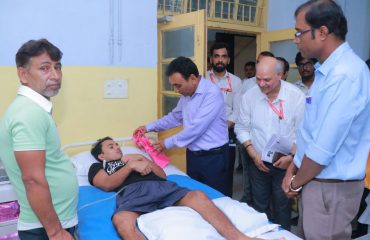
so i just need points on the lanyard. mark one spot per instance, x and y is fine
(229, 89)
(278, 112)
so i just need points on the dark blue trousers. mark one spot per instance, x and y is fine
(39, 234)
(211, 167)
(267, 187)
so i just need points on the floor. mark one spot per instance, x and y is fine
(238, 192)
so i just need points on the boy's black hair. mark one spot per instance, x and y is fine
(96, 148)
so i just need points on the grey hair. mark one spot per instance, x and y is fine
(279, 67)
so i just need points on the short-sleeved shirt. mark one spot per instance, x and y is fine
(140, 193)
(117, 165)
(27, 125)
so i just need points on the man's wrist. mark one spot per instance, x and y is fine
(246, 146)
(291, 188)
(250, 150)
(168, 143)
(52, 233)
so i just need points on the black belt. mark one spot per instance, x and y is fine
(335, 180)
(210, 151)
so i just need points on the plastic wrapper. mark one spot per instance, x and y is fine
(143, 143)
(9, 211)
(12, 236)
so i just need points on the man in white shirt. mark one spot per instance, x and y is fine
(307, 71)
(272, 107)
(228, 82)
(230, 86)
(242, 155)
(248, 83)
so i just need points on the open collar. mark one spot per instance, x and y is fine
(35, 97)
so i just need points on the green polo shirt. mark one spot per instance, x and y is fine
(27, 126)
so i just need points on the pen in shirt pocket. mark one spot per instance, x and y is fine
(308, 99)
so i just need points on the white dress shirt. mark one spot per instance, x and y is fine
(258, 122)
(247, 84)
(229, 96)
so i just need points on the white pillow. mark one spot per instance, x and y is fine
(84, 160)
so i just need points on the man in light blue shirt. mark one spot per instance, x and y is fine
(201, 112)
(333, 140)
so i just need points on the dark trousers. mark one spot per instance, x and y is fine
(361, 229)
(267, 187)
(40, 234)
(230, 171)
(210, 167)
(246, 162)
(232, 155)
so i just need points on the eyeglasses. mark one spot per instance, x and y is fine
(300, 33)
(305, 65)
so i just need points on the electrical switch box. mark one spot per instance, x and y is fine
(116, 88)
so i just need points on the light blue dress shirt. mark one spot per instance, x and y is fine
(335, 131)
(202, 116)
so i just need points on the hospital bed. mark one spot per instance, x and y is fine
(95, 208)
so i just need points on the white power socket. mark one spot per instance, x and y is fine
(116, 88)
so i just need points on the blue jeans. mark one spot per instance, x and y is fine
(40, 234)
(266, 187)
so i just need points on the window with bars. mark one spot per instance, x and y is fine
(170, 6)
(240, 11)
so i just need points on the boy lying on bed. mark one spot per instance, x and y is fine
(146, 190)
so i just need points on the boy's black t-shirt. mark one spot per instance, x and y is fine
(113, 166)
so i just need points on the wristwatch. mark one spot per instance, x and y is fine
(291, 187)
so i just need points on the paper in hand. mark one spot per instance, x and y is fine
(276, 147)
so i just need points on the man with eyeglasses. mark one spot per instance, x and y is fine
(333, 140)
(306, 70)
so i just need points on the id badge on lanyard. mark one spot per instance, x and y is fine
(225, 90)
(279, 112)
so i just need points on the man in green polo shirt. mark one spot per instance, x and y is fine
(41, 174)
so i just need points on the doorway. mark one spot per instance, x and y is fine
(242, 48)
